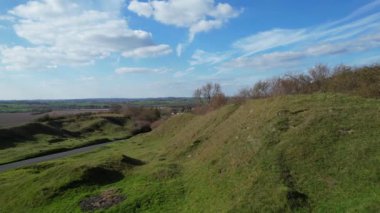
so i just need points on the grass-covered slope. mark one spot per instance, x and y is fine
(294, 153)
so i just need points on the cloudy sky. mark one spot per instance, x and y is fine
(54, 49)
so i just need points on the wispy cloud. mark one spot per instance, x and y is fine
(201, 57)
(87, 78)
(129, 70)
(288, 59)
(270, 39)
(149, 51)
(186, 72)
(7, 18)
(348, 35)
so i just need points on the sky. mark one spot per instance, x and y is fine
(66, 49)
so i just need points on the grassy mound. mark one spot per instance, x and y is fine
(286, 154)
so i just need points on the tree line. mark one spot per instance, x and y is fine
(361, 81)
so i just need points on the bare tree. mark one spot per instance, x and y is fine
(245, 93)
(218, 100)
(211, 94)
(217, 90)
(260, 89)
(319, 74)
(207, 92)
(198, 95)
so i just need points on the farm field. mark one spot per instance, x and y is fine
(42, 106)
(65, 132)
(20, 118)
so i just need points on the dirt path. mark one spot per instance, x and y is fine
(32, 161)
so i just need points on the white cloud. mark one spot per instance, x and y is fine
(24, 58)
(336, 31)
(360, 11)
(201, 57)
(265, 61)
(302, 44)
(286, 59)
(70, 33)
(348, 35)
(181, 74)
(141, 8)
(6, 18)
(196, 15)
(149, 51)
(204, 26)
(87, 78)
(39, 10)
(180, 48)
(269, 39)
(128, 70)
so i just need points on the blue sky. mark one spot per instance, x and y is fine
(56, 49)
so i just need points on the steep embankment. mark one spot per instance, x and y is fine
(294, 153)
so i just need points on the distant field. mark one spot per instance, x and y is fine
(16, 119)
(61, 133)
(57, 105)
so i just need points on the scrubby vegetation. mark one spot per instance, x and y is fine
(362, 81)
(301, 153)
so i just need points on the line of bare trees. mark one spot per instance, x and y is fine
(361, 81)
(210, 96)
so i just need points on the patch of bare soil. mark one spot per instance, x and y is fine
(104, 200)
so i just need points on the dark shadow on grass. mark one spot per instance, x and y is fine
(132, 161)
(95, 176)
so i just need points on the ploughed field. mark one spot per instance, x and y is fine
(8, 120)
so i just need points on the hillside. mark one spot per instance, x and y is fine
(292, 153)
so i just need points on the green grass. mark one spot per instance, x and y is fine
(307, 153)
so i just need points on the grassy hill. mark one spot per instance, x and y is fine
(293, 153)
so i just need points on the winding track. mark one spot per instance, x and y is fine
(32, 161)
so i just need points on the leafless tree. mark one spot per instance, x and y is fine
(198, 95)
(319, 74)
(207, 91)
(210, 94)
(260, 89)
